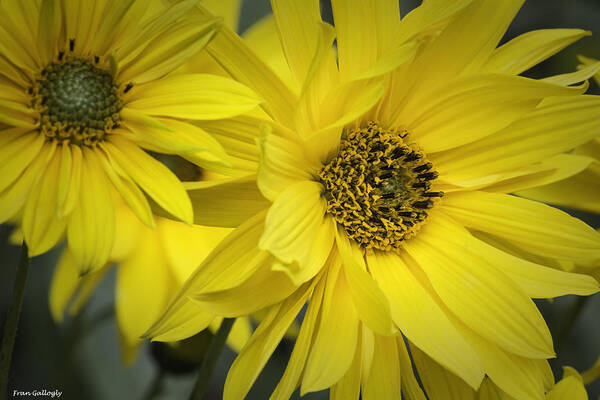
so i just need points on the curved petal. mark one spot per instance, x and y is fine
(297, 230)
(384, 378)
(532, 226)
(91, 229)
(422, 320)
(336, 336)
(17, 154)
(152, 176)
(474, 292)
(369, 301)
(193, 96)
(255, 354)
(225, 203)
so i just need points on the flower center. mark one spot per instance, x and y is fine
(378, 187)
(77, 101)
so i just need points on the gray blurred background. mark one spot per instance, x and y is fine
(81, 357)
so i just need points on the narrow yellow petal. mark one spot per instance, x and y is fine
(67, 203)
(65, 281)
(439, 383)
(568, 388)
(49, 30)
(282, 163)
(531, 48)
(227, 202)
(369, 301)
(296, 364)
(298, 231)
(365, 31)
(229, 10)
(41, 227)
(170, 50)
(298, 24)
(557, 125)
(421, 320)
(193, 96)
(17, 154)
(250, 296)
(532, 226)
(336, 336)
(474, 292)
(229, 50)
(410, 386)
(255, 354)
(348, 388)
(152, 176)
(91, 229)
(182, 323)
(384, 379)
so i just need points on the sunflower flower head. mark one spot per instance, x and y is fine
(86, 91)
(382, 198)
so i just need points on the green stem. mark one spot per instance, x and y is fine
(210, 359)
(12, 321)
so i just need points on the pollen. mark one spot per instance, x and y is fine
(77, 100)
(379, 186)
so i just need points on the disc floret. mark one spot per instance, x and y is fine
(378, 186)
(77, 100)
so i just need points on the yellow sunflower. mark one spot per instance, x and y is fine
(84, 90)
(381, 199)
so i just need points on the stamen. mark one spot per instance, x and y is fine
(377, 187)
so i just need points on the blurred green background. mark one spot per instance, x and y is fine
(81, 357)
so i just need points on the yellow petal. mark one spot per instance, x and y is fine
(188, 320)
(264, 288)
(472, 108)
(193, 96)
(536, 281)
(439, 383)
(170, 49)
(369, 301)
(553, 169)
(152, 176)
(231, 263)
(296, 364)
(410, 386)
(571, 78)
(348, 388)
(130, 192)
(178, 137)
(282, 163)
(41, 227)
(517, 376)
(255, 354)
(230, 51)
(298, 231)
(365, 31)
(568, 388)
(143, 289)
(531, 48)
(65, 281)
(557, 125)
(384, 379)
(298, 25)
(91, 229)
(17, 154)
(229, 10)
(14, 197)
(532, 226)
(474, 292)
(238, 137)
(579, 191)
(263, 39)
(421, 320)
(227, 202)
(49, 30)
(336, 336)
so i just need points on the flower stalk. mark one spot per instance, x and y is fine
(12, 320)
(210, 359)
